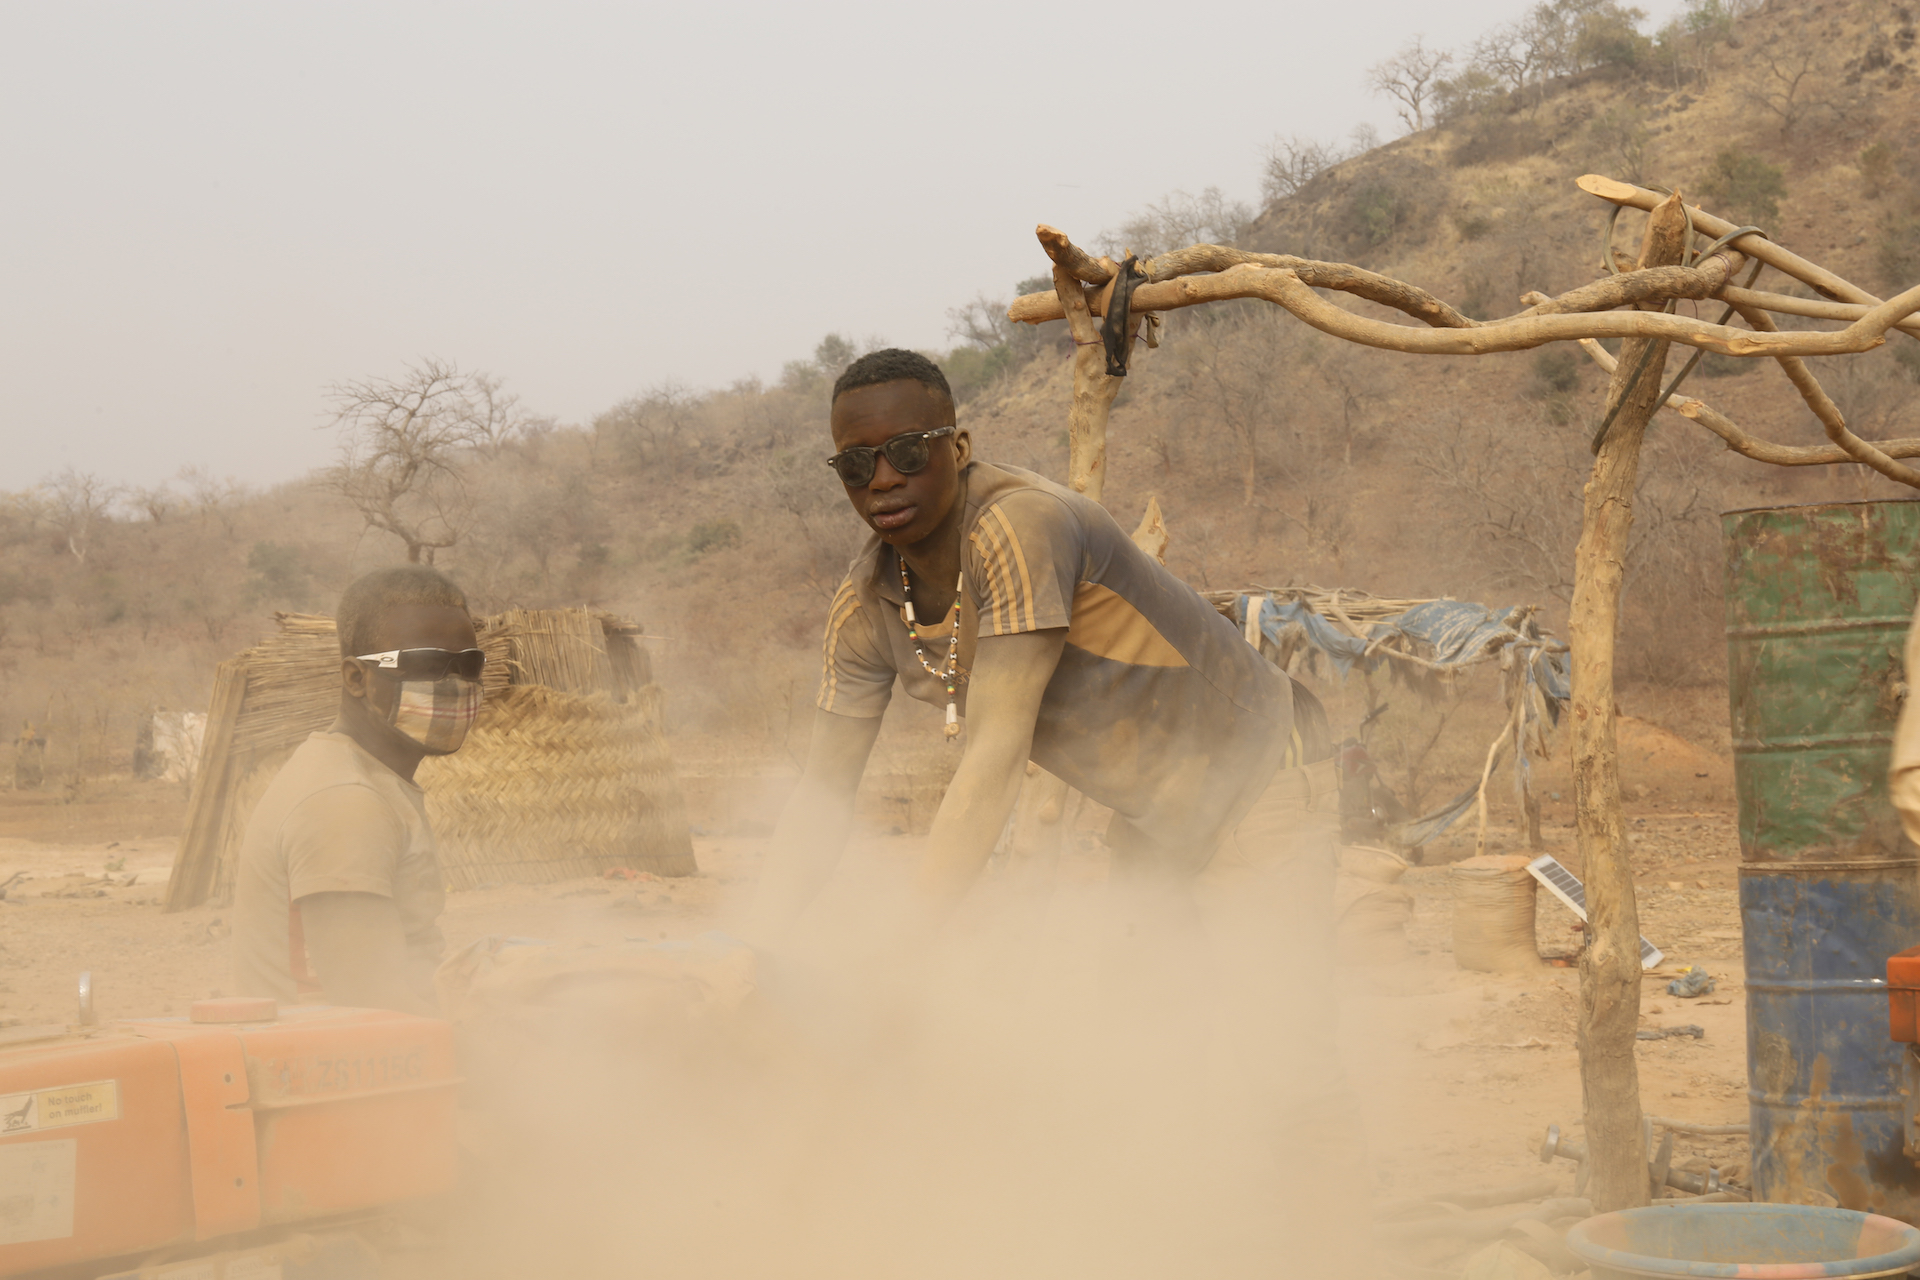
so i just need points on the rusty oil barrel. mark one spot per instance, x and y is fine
(1819, 599)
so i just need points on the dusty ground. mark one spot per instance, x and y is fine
(1458, 1073)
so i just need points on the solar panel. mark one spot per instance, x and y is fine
(1566, 886)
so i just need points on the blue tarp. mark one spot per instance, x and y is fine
(1454, 633)
(1450, 633)
(1447, 634)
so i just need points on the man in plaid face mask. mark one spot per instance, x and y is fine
(434, 713)
(339, 891)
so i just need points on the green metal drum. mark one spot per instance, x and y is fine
(1818, 603)
(1819, 600)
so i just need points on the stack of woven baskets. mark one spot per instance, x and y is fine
(566, 773)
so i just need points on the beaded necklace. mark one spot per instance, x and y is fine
(950, 665)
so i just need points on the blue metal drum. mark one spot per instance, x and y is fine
(1818, 602)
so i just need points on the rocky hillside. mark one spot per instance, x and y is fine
(1277, 454)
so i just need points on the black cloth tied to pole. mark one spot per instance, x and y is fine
(1114, 327)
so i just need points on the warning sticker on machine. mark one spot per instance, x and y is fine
(36, 1191)
(57, 1108)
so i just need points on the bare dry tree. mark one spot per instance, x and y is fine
(496, 416)
(1411, 78)
(1629, 305)
(402, 444)
(213, 497)
(1515, 500)
(157, 502)
(72, 504)
(1791, 87)
(1180, 218)
(1292, 162)
(1510, 53)
(981, 323)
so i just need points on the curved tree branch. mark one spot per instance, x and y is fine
(1738, 440)
(1827, 411)
(1815, 308)
(1371, 285)
(1199, 258)
(1285, 288)
(1655, 284)
(1078, 262)
(1629, 196)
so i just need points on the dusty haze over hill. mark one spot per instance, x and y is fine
(1279, 455)
(216, 211)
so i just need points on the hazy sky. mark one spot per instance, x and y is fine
(212, 212)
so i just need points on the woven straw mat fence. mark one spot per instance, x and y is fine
(566, 773)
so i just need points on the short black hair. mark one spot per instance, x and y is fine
(364, 604)
(892, 364)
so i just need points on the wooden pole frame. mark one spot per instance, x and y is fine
(1629, 306)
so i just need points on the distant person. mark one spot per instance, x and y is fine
(339, 887)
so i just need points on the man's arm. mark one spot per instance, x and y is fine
(1905, 768)
(813, 827)
(1009, 677)
(359, 950)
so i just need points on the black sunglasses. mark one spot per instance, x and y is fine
(426, 664)
(906, 454)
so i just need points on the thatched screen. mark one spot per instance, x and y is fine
(566, 773)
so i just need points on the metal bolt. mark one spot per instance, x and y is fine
(1556, 1145)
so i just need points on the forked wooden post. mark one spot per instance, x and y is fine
(1093, 390)
(1610, 962)
(1626, 306)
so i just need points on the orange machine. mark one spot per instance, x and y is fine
(242, 1140)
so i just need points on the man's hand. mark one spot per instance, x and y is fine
(813, 827)
(359, 948)
(1009, 677)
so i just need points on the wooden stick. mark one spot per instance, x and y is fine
(1629, 196)
(1077, 261)
(1093, 391)
(1531, 1189)
(1656, 284)
(1387, 291)
(1610, 963)
(1827, 411)
(198, 857)
(1815, 308)
(1703, 1130)
(1371, 285)
(1511, 729)
(1780, 455)
(1520, 333)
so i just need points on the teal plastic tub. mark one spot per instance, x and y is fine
(1749, 1241)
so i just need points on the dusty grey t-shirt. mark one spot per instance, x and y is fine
(1158, 709)
(334, 820)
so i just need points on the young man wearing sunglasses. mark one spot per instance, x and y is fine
(992, 591)
(339, 890)
(997, 593)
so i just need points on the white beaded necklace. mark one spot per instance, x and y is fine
(947, 670)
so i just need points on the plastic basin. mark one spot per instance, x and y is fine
(1752, 1241)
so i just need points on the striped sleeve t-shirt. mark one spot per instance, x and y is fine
(1158, 709)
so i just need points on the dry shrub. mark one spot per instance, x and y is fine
(1487, 138)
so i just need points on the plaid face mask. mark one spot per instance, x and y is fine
(437, 713)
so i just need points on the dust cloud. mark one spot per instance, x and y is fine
(1063, 1083)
